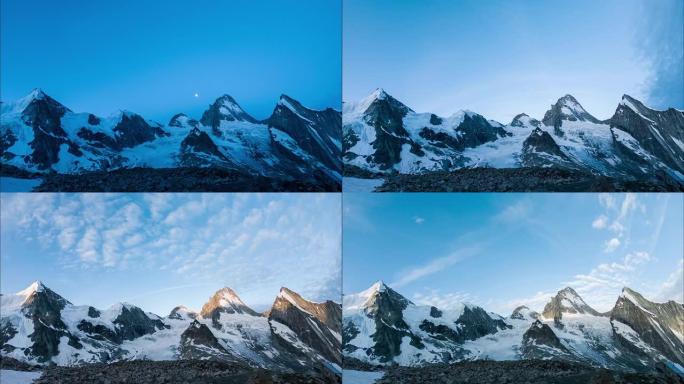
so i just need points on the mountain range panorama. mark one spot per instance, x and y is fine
(382, 136)
(38, 326)
(40, 135)
(381, 327)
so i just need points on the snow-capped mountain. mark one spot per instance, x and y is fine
(382, 135)
(40, 135)
(39, 326)
(380, 326)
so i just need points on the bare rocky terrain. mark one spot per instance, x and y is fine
(181, 180)
(521, 180)
(524, 371)
(181, 371)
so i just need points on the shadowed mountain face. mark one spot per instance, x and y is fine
(39, 326)
(40, 135)
(382, 136)
(316, 324)
(661, 326)
(381, 327)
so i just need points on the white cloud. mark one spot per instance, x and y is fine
(617, 218)
(434, 266)
(419, 220)
(514, 212)
(253, 218)
(600, 222)
(606, 200)
(87, 247)
(673, 287)
(611, 245)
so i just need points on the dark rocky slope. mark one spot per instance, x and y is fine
(525, 371)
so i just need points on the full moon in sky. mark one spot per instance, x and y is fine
(196, 95)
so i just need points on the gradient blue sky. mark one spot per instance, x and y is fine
(503, 250)
(162, 250)
(151, 57)
(504, 57)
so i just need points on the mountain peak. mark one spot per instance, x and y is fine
(224, 108)
(286, 293)
(226, 99)
(524, 120)
(225, 300)
(182, 312)
(568, 291)
(377, 98)
(567, 108)
(379, 94)
(36, 94)
(633, 104)
(368, 300)
(567, 300)
(570, 102)
(182, 120)
(524, 313)
(631, 295)
(568, 99)
(36, 286)
(379, 286)
(228, 296)
(35, 292)
(284, 97)
(289, 103)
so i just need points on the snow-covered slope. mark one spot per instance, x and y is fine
(383, 135)
(38, 134)
(39, 326)
(383, 327)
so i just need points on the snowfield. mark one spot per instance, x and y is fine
(18, 377)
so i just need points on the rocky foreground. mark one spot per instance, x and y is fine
(181, 180)
(171, 372)
(525, 371)
(521, 180)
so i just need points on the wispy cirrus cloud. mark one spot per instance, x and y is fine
(617, 218)
(673, 287)
(435, 265)
(515, 212)
(659, 39)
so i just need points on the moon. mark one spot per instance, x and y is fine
(196, 95)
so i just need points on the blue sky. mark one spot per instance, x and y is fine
(100, 56)
(500, 58)
(504, 250)
(162, 250)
